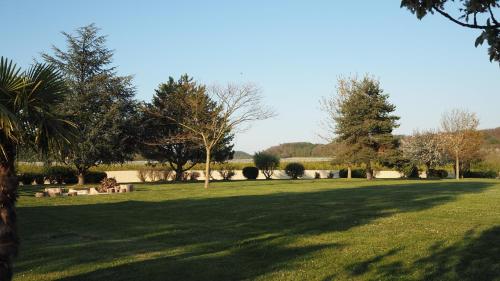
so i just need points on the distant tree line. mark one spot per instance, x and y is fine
(300, 149)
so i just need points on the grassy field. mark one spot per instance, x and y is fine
(266, 230)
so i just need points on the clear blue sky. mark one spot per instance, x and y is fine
(294, 50)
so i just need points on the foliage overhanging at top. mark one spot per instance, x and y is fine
(475, 14)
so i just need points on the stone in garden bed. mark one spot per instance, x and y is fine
(93, 191)
(126, 187)
(72, 193)
(40, 194)
(54, 191)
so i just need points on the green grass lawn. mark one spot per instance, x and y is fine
(266, 230)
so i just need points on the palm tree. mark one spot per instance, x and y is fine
(27, 118)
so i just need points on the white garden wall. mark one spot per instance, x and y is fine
(132, 176)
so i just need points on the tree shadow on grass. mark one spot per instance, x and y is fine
(217, 238)
(474, 258)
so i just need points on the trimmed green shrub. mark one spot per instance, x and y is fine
(294, 170)
(250, 172)
(60, 174)
(266, 163)
(410, 172)
(355, 173)
(26, 178)
(94, 177)
(39, 178)
(226, 171)
(70, 179)
(489, 174)
(435, 173)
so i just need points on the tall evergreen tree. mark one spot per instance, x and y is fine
(99, 102)
(363, 121)
(165, 141)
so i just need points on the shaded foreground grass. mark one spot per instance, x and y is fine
(267, 230)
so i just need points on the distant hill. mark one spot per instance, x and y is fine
(491, 148)
(492, 136)
(300, 149)
(306, 149)
(241, 155)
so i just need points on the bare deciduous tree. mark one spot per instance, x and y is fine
(230, 109)
(460, 136)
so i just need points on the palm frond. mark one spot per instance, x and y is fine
(11, 82)
(45, 127)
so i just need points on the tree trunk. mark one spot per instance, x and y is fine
(428, 170)
(349, 172)
(81, 178)
(178, 173)
(457, 168)
(207, 169)
(369, 172)
(9, 240)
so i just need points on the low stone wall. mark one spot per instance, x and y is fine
(387, 174)
(132, 176)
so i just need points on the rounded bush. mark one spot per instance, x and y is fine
(70, 179)
(410, 172)
(226, 171)
(251, 172)
(294, 170)
(437, 174)
(266, 162)
(26, 178)
(355, 173)
(59, 174)
(39, 178)
(95, 177)
(480, 174)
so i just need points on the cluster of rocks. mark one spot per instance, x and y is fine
(58, 191)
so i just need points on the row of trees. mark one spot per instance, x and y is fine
(76, 109)
(457, 141)
(186, 123)
(360, 122)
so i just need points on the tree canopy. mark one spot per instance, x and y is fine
(99, 101)
(361, 118)
(164, 140)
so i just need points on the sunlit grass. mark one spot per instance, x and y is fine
(266, 230)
